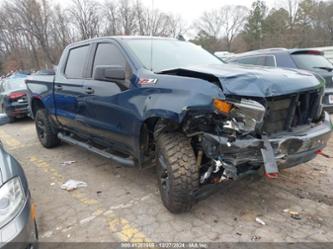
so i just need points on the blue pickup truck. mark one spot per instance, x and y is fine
(144, 101)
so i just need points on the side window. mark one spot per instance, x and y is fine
(76, 62)
(270, 61)
(253, 60)
(108, 54)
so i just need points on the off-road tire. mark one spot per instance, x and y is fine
(175, 157)
(47, 137)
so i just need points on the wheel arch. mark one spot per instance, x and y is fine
(36, 104)
(150, 128)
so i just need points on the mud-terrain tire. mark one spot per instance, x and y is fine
(44, 130)
(177, 173)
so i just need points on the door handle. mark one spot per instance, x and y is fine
(58, 87)
(89, 90)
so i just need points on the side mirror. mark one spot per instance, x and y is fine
(4, 119)
(109, 73)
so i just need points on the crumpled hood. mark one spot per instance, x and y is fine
(259, 81)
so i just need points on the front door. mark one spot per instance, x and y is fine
(108, 113)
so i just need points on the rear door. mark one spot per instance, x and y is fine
(108, 118)
(69, 89)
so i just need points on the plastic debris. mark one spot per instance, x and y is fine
(71, 185)
(293, 214)
(260, 221)
(66, 163)
(47, 234)
(255, 238)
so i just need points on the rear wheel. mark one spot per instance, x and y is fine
(178, 176)
(45, 134)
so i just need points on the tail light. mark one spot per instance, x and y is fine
(16, 95)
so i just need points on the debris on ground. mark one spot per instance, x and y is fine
(47, 234)
(260, 221)
(293, 214)
(255, 238)
(66, 163)
(52, 184)
(71, 185)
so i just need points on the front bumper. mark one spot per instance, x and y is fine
(290, 148)
(21, 232)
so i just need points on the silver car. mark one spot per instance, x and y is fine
(17, 214)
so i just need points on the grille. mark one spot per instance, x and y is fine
(284, 113)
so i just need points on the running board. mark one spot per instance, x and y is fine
(124, 161)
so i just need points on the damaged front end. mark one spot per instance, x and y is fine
(245, 134)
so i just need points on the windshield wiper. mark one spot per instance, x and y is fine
(330, 69)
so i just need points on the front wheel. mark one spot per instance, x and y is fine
(44, 130)
(178, 176)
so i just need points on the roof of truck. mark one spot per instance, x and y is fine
(119, 38)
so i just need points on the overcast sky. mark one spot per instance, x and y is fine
(190, 10)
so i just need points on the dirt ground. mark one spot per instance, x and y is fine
(123, 204)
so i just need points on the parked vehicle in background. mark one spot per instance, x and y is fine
(328, 52)
(18, 227)
(306, 59)
(45, 72)
(223, 55)
(200, 120)
(13, 97)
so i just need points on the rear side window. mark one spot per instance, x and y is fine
(258, 60)
(270, 61)
(108, 54)
(253, 60)
(76, 62)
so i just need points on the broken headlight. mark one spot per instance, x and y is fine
(244, 116)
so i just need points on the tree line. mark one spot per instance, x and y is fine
(33, 33)
(297, 23)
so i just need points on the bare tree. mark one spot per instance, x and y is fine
(211, 23)
(33, 18)
(86, 17)
(111, 18)
(292, 8)
(127, 20)
(225, 22)
(61, 34)
(234, 19)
